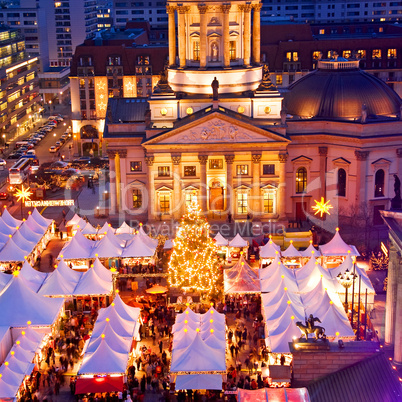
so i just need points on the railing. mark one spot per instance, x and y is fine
(338, 65)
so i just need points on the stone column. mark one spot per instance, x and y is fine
(226, 37)
(203, 182)
(122, 179)
(202, 8)
(112, 168)
(361, 157)
(323, 152)
(399, 162)
(257, 34)
(149, 159)
(391, 299)
(398, 315)
(182, 35)
(246, 33)
(230, 195)
(281, 196)
(171, 35)
(176, 210)
(255, 189)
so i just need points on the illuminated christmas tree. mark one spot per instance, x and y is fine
(193, 265)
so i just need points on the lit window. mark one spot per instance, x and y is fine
(216, 163)
(301, 180)
(269, 202)
(361, 54)
(232, 50)
(391, 53)
(292, 56)
(164, 203)
(242, 203)
(379, 183)
(376, 53)
(189, 171)
(347, 54)
(136, 166)
(137, 198)
(241, 170)
(278, 79)
(268, 169)
(163, 171)
(322, 31)
(317, 55)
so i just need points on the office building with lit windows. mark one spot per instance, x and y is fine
(19, 89)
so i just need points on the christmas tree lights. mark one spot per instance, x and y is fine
(193, 264)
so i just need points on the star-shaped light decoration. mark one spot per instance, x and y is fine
(24, 194)
(322, 207)
(102, 106)
(101, 85)
(129, 86)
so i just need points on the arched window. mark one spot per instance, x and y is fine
(341, 182)
(301, 180)
(379, 183)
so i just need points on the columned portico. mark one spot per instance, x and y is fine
(256, 34)
(230, 194)
(149, 160)
(172, 35)
(202, 8)
(226, 35)
(176, 204)
(182, 35)
(203, 159)
(281, 200)
(255, 189)
(247, 32)
(392, 288)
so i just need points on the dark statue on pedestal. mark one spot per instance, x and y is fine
(215, 87)
(311, 328)
(396, 202)
(266, 83)
(163, 87)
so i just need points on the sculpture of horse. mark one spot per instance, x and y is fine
(319, 332)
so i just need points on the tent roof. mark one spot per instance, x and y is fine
(280, 343)
(75, 250)
(20, 304)
(168, 244)
(57, 285)
(29, 234)
(241, 278)
(92, 284)
(12, 252)
(337, 247)
(88, 229)
(270, 250)
(104, 360)
(220, 240)
(6, 229)
(32, 275)
(101, 270)
(274, 394)
(335, 321)
(73, 221)
(291, 251)
(120, 327)
(9, 219)
(116, 342)
(123, 310)
(308, 251)
(23, 243)
(238, 242)
(4, 279)
(106, 226)
(149, 241)
(68, 273)
(199, 381)
(188, 314)
(198, 357)
(40, 219)
(107, 247)
(137, 248)
(124, 228)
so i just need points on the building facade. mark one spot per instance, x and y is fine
(19, 86)
(215, 125)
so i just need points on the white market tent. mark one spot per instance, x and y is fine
(106, 226)
(57, 285)
(19, 304)
(149, 241)
(92, 284)
(337, 247)
(74, 250)
(238, 242)
(310, 250)
(199, 381)
(102, 271)
(40, 219)
(220, 241)
(32, 275)
(168, 244)
(137, 249)
(275, 275)
(107, 247)
(241, 279)
(9, 219)
(73, 221)
(270, 250)
(291, 251)
(88, 229)
(124, 229)
(274, 395)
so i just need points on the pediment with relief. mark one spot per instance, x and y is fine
(217, 131)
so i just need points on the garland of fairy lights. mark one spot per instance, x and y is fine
(193, 264)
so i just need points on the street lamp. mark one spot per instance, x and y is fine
(346, 280)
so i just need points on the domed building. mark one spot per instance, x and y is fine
(215, 126)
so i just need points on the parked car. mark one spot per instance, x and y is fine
(3, 162)
(15, 155)
(51, 118)
(53, 148)
(82, 159)
(58, 144)
(3, 195)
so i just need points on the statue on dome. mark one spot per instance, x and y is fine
(363, 118)
(266, 83)
(215, 87)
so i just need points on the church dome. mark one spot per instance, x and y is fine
(338, 90)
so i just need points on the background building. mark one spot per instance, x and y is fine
(19, 98)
